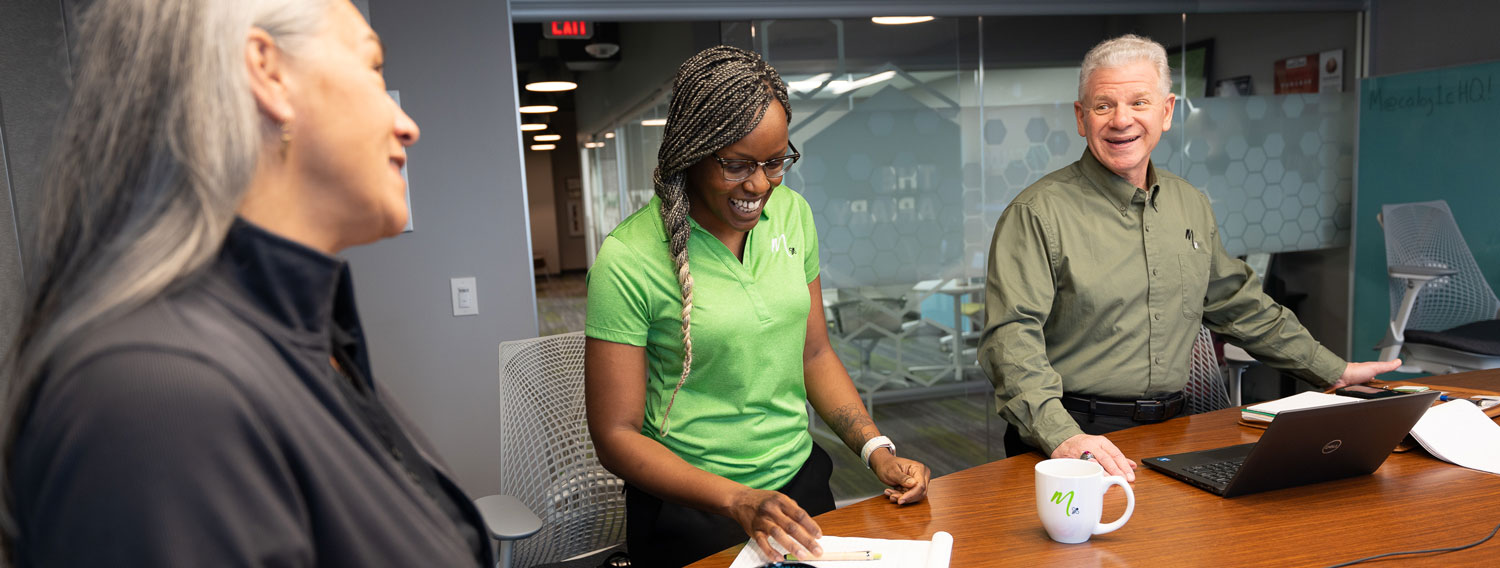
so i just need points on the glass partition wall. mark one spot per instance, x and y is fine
(916, 137)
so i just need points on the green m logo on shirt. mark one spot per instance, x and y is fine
(1068, 508)
(779, 242)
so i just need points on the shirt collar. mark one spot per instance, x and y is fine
(296, 287)
(1119, 191)
(661, 226)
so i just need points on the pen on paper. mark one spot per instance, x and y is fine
(853, 555)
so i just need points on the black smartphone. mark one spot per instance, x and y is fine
(1362, 391)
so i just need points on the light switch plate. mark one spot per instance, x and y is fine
(465, 296)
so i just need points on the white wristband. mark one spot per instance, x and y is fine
(875, 444)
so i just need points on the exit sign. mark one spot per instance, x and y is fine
(567, 29)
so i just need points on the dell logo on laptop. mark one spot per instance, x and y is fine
(1332, 446)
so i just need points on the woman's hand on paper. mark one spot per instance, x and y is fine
(906, 478)
(771, 515)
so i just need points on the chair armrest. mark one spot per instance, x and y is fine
(507, 518)
(1423, 273)
(1235, 354)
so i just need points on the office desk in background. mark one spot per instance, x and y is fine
(1412, 502)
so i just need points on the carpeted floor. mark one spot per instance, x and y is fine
(560, 303)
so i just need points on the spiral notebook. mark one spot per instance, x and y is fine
(933, 553)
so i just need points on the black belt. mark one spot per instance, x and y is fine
(1144, 410)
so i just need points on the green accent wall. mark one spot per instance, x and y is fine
(1423, 136)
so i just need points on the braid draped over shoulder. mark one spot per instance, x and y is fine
(718, 97)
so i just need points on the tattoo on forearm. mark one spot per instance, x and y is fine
(849, 422)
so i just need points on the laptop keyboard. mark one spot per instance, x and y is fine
(1218, 472)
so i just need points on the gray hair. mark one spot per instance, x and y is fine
(1122, 51)
(718, 97)
(157, 147)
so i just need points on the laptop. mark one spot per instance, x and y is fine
(1301, 447)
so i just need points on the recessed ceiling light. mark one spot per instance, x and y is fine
(542, 147)
(538, 109)
(532, 127)
(654, 122)
(900, 20)
(609, 135)
(547, 137)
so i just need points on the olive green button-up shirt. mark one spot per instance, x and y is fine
(1096, 287)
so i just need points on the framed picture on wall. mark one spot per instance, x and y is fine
(1192, 68)
(575, 218)
(1234, 87)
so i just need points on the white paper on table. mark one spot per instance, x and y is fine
(1458, 432)
(903, 553)
(1299, 401)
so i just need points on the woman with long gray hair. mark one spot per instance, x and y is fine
(707, 338)
(190, 384)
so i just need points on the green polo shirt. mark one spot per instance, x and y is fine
(742, 414)
(1096, 287)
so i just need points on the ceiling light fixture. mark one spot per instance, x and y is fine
(547, 137)
(807, 85)
(538, 109)
(543, 147)
(533, 126)
(654, 122)
(551, 86)
(900, 20)
(841, 87)
(551, 76)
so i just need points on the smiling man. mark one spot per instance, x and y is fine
(1101, 273)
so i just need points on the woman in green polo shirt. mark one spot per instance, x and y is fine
(698, 373)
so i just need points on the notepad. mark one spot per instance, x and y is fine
(1266, 411)
(933, 553)
(1458, 432)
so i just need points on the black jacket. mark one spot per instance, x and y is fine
(209, 428)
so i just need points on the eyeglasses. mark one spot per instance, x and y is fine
(741, 170)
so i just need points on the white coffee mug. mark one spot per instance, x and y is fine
(1070, 499)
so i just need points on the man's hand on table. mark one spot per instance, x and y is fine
(1102, 450)
(1361, 373)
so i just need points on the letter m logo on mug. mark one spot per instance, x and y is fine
(1057, 498)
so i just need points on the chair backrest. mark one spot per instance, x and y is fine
(1207, 388)
(868, 318)
(1425, 234)
(547, 459)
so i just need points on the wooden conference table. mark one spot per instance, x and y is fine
(1412, 502)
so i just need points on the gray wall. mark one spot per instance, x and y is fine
(33, 85)
(453, 62)
(1250, 44)
(540, 202)
(1412, 35)
(572, 250)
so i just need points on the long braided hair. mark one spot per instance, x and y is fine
(718, 97)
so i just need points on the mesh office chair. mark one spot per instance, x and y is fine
(1444, 313)
(547, 459)
(1207, 388)
(864, 322)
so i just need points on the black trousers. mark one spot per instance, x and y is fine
(1100, 425)
(668, 535)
